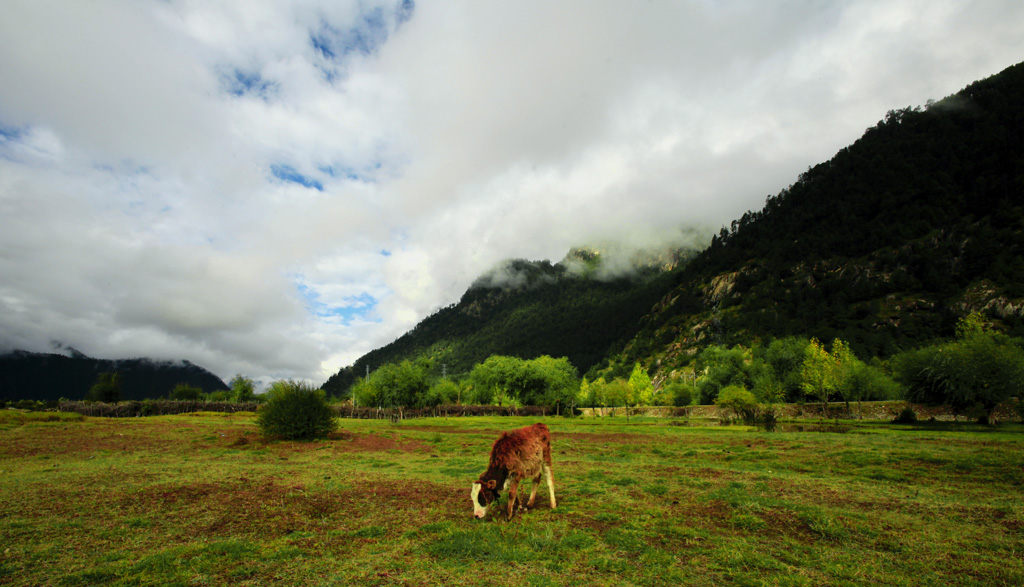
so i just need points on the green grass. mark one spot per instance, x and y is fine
(203, 500)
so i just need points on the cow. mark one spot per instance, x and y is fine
(516, 455)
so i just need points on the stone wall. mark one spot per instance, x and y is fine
(886, 410)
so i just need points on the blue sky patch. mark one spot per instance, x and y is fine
(10, 133)
(344, 172)
(242, 83)
(290, 174)
(372, 30)
(352, 307)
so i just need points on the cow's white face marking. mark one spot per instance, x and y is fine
(474, 494)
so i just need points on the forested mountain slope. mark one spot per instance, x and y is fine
(44, 376)
(569, 309)
(885, 245)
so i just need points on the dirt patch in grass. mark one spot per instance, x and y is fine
(339, 441)
(376, 442)
(96, 436)
(270, 507)
(608, 438)
(447, 430)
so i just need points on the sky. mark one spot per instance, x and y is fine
(274, 188)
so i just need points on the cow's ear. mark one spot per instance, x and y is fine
(492, 484)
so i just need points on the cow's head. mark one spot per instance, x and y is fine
(483, 494)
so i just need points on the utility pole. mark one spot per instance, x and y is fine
(444, 371)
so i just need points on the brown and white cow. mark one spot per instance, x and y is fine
(517, 455)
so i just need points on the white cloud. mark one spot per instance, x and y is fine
(276, 188)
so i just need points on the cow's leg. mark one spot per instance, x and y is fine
(533, 493)
(513, 495)
(551, 484)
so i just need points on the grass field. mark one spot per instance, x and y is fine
(202, 500)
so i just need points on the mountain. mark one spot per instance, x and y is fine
(45, 376)
(581, 308)
(885, 245)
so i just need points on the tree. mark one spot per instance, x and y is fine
(186, 392)
(556, 380)
(641, 391)
(107, 388)
(583, 396)
(295, 410)
(724, 367)
(442, 392)
(363, 394)
(497, 379)
(243, 389)
(784, 357)
(739, 401)
(612, 393)
(513, 381)
(598, 395)
(678, 394)
(822, 372)
(863, 382)
(979, 370)
(844, 364)
(393, 385)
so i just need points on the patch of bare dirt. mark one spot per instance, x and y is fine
(272, 507)
(96, 436)
(605, 438)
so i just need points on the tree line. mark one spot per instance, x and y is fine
(973, 373)
(109, 388)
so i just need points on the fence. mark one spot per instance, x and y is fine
(133, 409)
(446, 411)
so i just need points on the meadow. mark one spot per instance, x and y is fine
(204, 500)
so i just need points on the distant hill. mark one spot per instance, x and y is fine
(44, 376)
(579, 308)
(885, 245)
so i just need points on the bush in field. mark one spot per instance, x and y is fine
(739, 401)
(906, 416)
(295, 411)
(978, 371)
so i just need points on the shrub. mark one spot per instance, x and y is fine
(972, 374)
(740, 401)
(906, 416)
(296, 411)
(184, 391)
